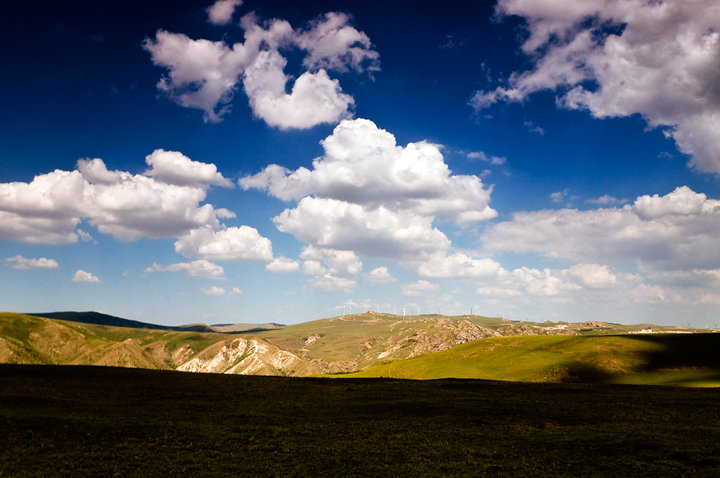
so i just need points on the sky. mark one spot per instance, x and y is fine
(263, 161)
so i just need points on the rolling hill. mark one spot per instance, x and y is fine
(374, 345)
(664, 359)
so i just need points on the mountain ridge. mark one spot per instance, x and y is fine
(98, 318)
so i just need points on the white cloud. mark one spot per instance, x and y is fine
(363, 165)
(418, 288)
(242, 243)
(330, 283)
(660, 61)
(595, 276)
(204, 74)
(221, 12)
(648, 294)
(380, 275)
(220, 292)
(331, 270)
(283, 265)
(83, 276)
(41, 230)
(25, 263)
(372, 197)
(174, 167)
(313, 268)
(545, 282)
(46, 210)
(138, 206)
(456, 265)
(380, 232)
(494, 160)
(201, 74)
(50, 207)
(605, 200)
(683, 201)
(342, 263)
(677, 231)
(333, 44)
(199, 268)
(95, 171)
(315, 97)
(499, 292)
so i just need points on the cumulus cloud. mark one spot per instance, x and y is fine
(368, 195)
(127, 206)
(315, 97)
(201, 74)
(331, 43)
(343, 263)
(242, 243)
(595, 276)
(330, 283)
(331, 270)
(379, 232)
(220, 291)
(456, 265)
(25, 263)
(135, 206)
(83, 276)
(221, 12)
(364, 165)
(283, 265)
(46, 210)
(174, 167)
(380, 275)
(204, 75)
(679, 230)
(418, 288)
(578, 279)
(616, 58)
(200, 268)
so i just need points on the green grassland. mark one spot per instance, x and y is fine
(98, 421)
(663, 359)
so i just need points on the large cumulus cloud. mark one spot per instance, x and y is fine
(615, 58)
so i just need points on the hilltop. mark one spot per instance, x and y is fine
(370, 344)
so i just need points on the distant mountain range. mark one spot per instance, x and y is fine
(373, 344)
(105, 319)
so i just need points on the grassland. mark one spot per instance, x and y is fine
(97, 421)
(664, 359)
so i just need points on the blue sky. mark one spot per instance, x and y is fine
(180, 162)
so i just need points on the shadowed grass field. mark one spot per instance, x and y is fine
(96, 421)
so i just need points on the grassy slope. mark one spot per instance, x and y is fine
(689, 360)
(94, 421)
(30, 339)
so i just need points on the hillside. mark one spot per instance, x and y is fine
(664, 359)
(26, 339)
(370, 344)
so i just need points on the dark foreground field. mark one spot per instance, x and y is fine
(94, 421)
